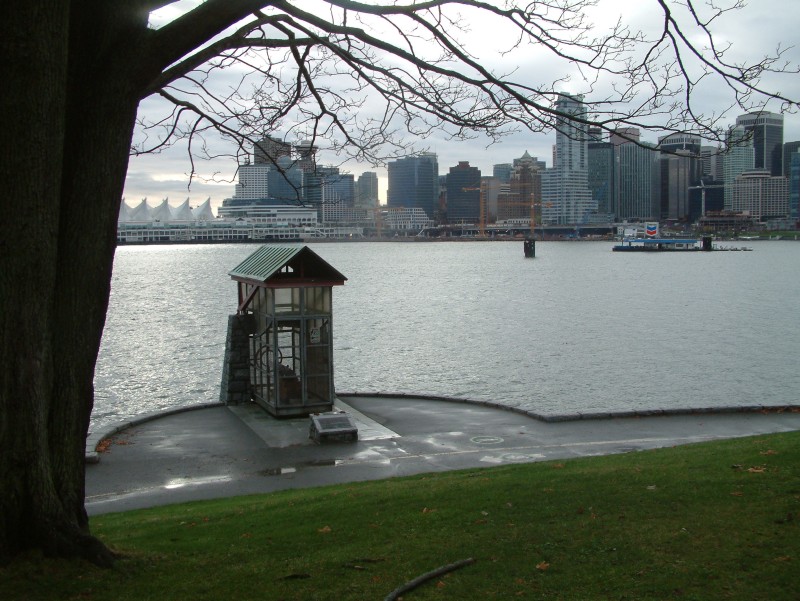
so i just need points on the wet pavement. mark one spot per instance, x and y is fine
(222, 451)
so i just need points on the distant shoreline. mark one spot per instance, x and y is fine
(415, 239)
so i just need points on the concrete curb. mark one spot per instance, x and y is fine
(95, 438)
(569, 417)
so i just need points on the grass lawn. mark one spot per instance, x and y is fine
(710, 521)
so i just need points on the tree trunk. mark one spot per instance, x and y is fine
(67, 115)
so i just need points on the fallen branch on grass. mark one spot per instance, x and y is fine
(408, 586)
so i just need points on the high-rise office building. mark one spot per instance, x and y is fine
(269, 149)
(321, 186)
(463, 193)
(367, 190)
(572, 200)
(637, 181)
(549, 212)
(414, 182)
(601, 174)
(789, 148)
(340, 187)
(687, 144)
(502, 172)
(491, 189)
(285, 181)
(711, 163)
(766, 132)
(794, 186)
(677, 174)
(624, 135)
(681, 167)
(739, 157)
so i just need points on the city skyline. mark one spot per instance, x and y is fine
(754, 31)
(223, 189)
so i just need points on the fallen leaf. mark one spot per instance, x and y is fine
(737, 493)
(769, 452)
(558, 466)
(440, 584)
(324, 529)
(758, 469)
(542, 565)
(426, 510)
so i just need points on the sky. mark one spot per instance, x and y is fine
(753, 31)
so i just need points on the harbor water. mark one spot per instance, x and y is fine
(576, 329)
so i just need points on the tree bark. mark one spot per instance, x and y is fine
(68, 114)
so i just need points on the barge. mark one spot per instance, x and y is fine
(671, 245)
(663, 245)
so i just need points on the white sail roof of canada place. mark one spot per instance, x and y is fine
(183, 212)
(140, 212)
(164, 212)
(204, 212)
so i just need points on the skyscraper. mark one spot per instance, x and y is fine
(367, 190)
(572, 198)
(739, 157)
(463, 193)
(711, 163)
(678, 172)
(688, 144)
(269, 149)
(414, 182)
(601, 174)
(766, 131)
(794, 186)
(285, 180)
(789, 148)
(502, 172)
(637, 179)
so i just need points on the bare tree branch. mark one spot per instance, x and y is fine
(369, 77)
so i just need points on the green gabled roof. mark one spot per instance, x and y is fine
(267, 263)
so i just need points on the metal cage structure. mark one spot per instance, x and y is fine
(288, 292)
